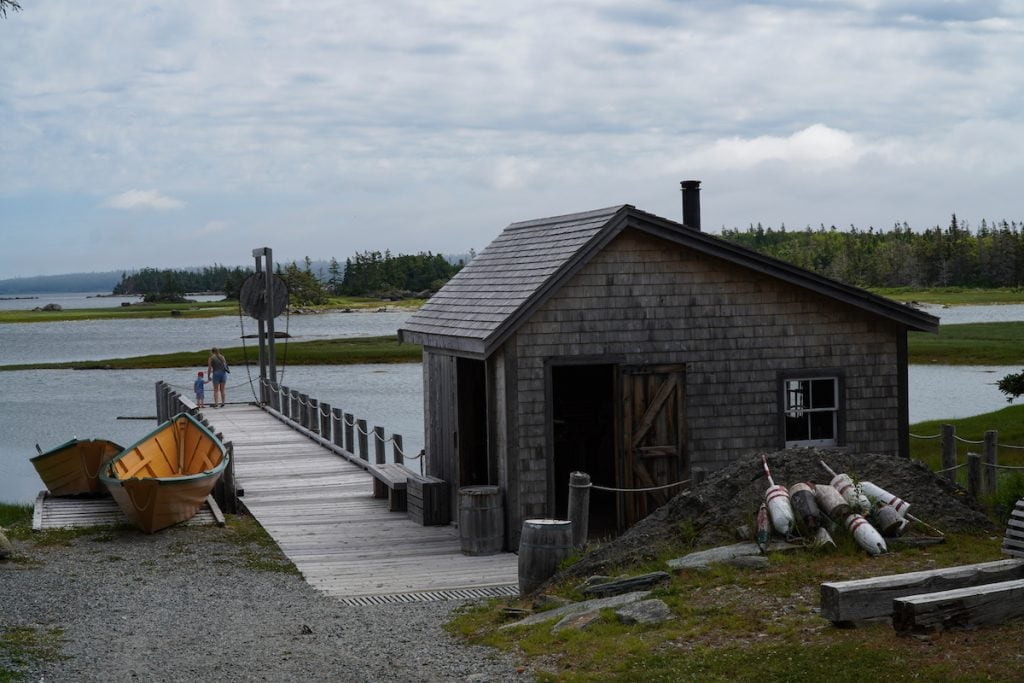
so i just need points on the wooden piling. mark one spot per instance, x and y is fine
(364, 449)
(325, 420)
(974, 474)
(336, 428)
(948, 441)
(350, 421)
(396, 449)
(378, 446)
(579, 507)
(991, 453)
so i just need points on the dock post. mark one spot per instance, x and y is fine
(338, 436)
(275, 396)
(312, 415)
(325, 420)
(579, 507)
(293, 411)
(396, 449)
(159, 401)
(364, 450)
(285, 407)
(378, 445)
(350, 443)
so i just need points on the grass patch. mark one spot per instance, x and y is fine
(24, 646)
(954, 296)
(198, 309)
(969, 344)
(16, 519)
(348, 351)
(260, 551)
(737, 625)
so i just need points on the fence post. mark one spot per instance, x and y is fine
(364, 449)
(948, 433)
(697, 476)
(974, 474)
(338, 436)
(988, 475)
(579, 507)
(275, 396)
(325, 420)
(293, 412)
(396, 449)
(159, 410)
(378, 445)
(350, 442)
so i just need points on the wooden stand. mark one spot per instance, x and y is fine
(427, 498)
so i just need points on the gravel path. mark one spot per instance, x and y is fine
(181, 605)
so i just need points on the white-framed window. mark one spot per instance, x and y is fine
(810, 407)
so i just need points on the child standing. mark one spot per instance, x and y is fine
(199, 387)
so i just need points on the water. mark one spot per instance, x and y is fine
(99, 339)
(994, 313)
(27, 302)
(50, 406)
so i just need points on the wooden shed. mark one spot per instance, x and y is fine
(635, 348)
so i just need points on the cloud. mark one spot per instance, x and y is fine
(817, 144)
(212, 228)
(143, 199)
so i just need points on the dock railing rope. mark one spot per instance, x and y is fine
(982, 468)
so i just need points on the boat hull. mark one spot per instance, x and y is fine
(73, 467)
(165, 478)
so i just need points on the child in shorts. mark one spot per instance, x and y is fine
(199, 386)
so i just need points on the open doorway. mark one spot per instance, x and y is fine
(584, 438)
(471, 443)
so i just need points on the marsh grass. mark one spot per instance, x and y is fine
(348, 351)
(954, 296)
(969, 344)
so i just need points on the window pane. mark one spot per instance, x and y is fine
(796, 429)
(823, 393)
(822, 425)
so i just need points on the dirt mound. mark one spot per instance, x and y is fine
(730, 497)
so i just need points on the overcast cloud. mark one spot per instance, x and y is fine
(186, 133)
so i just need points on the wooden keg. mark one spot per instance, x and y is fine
(543, 544)
(481, 520)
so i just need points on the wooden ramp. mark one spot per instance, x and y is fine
(320, 509)
(57, 512)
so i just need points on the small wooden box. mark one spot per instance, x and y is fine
(427, 500)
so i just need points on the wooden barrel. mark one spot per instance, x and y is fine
(481, 520)
(543, 544)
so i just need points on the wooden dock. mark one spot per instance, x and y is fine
(320, 510)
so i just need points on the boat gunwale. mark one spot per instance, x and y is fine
(106, 472)
(73, 441)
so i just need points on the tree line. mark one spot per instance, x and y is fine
(369, 274)
(951, 256)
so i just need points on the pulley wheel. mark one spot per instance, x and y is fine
(253, 296)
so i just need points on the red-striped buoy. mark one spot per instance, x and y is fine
(878, 493)
(867, 536)
(780, 509)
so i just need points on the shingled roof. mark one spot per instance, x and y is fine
(479, 308)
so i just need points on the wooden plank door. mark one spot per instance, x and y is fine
(653, 436)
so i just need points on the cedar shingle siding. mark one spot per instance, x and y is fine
(624, 288)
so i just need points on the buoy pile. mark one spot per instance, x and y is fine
(813, 511)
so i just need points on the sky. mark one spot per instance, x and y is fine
(187, 133)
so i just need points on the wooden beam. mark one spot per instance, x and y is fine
(847, 601)
(991, 603)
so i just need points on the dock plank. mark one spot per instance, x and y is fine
(319, 508)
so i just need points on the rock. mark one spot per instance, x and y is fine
(53, 307)
(645, 612)
(620, 586)
(578, 621)
(749, 562)
(175, 313)
(725, 553)
(6, 549)
(578, 607)
(546, 601)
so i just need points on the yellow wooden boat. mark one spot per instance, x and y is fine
(71, 468)
(165, 478)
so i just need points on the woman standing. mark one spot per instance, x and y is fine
(217, 371)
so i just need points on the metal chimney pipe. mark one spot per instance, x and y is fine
(691, 203)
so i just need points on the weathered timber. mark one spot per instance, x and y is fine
(620, 586)
(427, 500)
(846, 601)
(991, 603)
(1013, 541)
(389, 481)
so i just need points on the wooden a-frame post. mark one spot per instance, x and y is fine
(268, 361)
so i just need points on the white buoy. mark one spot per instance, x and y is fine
(830, 502)
(849, 491)
(822, 539)
(867, 536)
(780, 508)
(878, 493)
